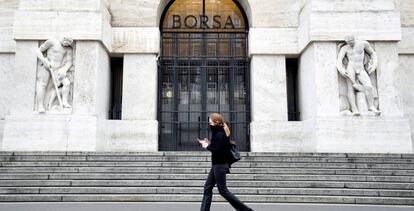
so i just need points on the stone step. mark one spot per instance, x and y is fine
(191, 206)
(205, 158)
(197, 198)
(257, 177)
(198, 190)
(200, 183)
(176, 170)
(180, 176)
(208, 164)
(205, 153)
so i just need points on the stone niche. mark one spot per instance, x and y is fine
(46, 100)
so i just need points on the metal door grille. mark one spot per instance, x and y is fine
(202, 73)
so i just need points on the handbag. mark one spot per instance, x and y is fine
(234, 153)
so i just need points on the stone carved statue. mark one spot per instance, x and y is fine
(356, 62)
(53, 77)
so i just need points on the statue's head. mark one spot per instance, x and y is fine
(66, 41)
(350, 40)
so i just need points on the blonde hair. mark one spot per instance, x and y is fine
(219, 120)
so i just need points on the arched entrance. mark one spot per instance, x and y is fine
(203, 68)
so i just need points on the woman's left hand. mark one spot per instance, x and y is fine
(204, 143)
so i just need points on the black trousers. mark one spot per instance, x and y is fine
(217, 176)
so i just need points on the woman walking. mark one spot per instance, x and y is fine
(220, 154)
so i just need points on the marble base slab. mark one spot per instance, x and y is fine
(273, 136)
(129, 135)
(39, 132)
(363, 135)
(333, 134)
(49, 133)
(1, 132)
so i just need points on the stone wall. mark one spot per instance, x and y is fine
(7, 48)
(406, 9)
(405, 73)
(7, 10)
(404, 82)
(7, 82)
(80, 20)
(133, 13)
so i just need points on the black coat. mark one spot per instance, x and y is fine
(219, 146)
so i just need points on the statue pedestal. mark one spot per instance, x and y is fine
(364, 134)
(48, 132)
(39, 132)
(350, 134)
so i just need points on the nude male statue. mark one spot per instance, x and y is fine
(355, 52)
(58, 61)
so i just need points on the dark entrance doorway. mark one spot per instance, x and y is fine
(203, 68)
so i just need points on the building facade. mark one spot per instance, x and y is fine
(140, 75)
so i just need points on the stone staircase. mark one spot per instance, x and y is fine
(334, 178)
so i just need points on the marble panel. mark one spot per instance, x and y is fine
(363, 135)
(390, 99)
(139, 93)
(273, 41)
(7, 80)
(326, 79)
(135, 40)
(130, 135)
(365, 25)
(42, 25)
(404, 77)
(275, 13)
(6, 17)
(307, 84)
(318, 81)
(39, 132)
(1, 132)
(7, 43)
(92, 79)
(352, 5)
(134, 13)
(63, 5)
(268, 88)
(9, 4)
(272, 136)
(406, 8)
(23, 86)
(406, 45)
